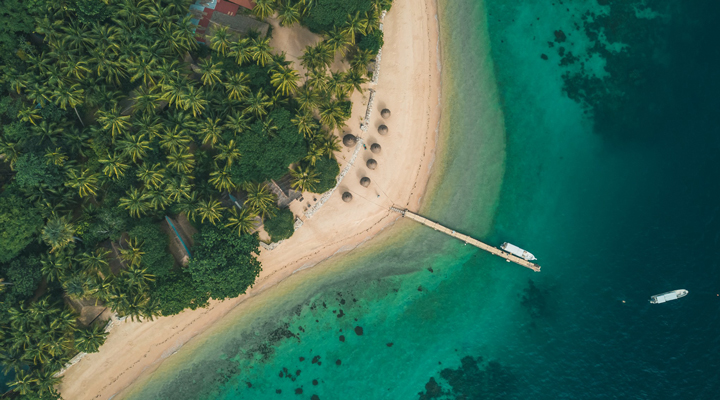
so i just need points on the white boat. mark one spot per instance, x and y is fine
(668, 296)
(512, 249)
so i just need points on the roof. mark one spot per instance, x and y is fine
(239, 23)
(245, 3)
(226, 7)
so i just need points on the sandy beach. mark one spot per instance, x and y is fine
(409, 86)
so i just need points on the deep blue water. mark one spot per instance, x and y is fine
(607, 169)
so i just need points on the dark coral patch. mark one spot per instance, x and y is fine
(544, 56)
(342, 338)
(302, 359)
(315, 382)
(390, 344)
(278, 391)
(315, 397)
(359, 330)
(338, 362)
(298, 391)
(315, 359)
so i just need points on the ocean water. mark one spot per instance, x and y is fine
(584, 131)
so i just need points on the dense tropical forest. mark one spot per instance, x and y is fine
(112, 118)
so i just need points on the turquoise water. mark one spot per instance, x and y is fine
(600, 157)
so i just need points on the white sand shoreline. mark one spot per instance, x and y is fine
(410, 56)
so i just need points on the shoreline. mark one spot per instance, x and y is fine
(134, 350)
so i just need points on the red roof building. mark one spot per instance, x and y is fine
(226, 7)
(249, 4)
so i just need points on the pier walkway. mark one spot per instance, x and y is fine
(467, 239)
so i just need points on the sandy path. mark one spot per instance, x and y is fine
(409, 86)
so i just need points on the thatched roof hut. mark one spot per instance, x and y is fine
(371, 164)
(383, 129)
(385, 113)
(349, 140)
(375, 148)
(365, 182)
(347, 197)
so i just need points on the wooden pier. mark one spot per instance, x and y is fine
(467, 239)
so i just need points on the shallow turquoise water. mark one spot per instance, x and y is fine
(604, 164)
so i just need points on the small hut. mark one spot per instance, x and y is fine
(365, 182)
(383, 129)
(375, 148)
(349, 140)
(385, 113)
(371, 164)
(347, 197)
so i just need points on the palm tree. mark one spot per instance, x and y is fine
(304, 179)
(307, 98)
(332, 115)
(317, 58)
(257, 104)
(355, 24)
(46, 380)
(210, 71)
(181, 160)
(237, 123)
(55, 157)
(85, 182)
(338, 40)
(134, 146)
(146, 99)
(133, 253)
(220, 40)
(24, 382)
(58, 233)
(222, 179)
(314, 154)
(360, 61)
(354, 79)
(114, 166)
(135, 202)
(47, 131)
(174, 91)
(175, 138)
(113, 121)
(94, 261)
(77, 286)
(10, 151)
(147, 124)
(188, 206)
(69, 96)
(259, 199)
(211, 131)
(285, 80)
(157, 199)
(236, 85)
(305, 123)
(194, 99)
(241, 50)
(329, 144)
(288, 13)
(143, 65)
(53, 266)
(3, 284)
(261, 50)
(243, 221)
(337, 84)
(210, 210)
(263, 8)
(228, 153)
(178, 189)
(89, 340)
(29, 114)
(151, 175)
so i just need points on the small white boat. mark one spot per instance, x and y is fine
(668, 296)
(512, 249)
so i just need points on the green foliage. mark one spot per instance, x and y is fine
(25, 276)
(326, 14)
(177, 291)
(16, 18)
(281, 226)
(155, 244)
(20, 223)
(223, 263)
(327, 169)
(34, 172)
(89, 340)
(372, 42)
(267, 156)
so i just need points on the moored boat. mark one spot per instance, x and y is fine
(668, 296)
(512, 249)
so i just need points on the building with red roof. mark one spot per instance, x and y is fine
(249, 4)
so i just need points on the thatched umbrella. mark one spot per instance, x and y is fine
(347, 197)
(349, 140)
(375, 148)
(385, 113)
(365, 182)
(383, 130)
(371, 164)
